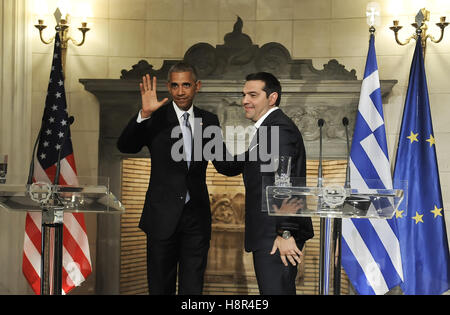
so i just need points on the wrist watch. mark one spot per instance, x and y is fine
(286, 234)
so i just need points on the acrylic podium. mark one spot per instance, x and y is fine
(90, 195)
(327, 199)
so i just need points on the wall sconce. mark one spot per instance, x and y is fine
(421, 29)
(62, 18)
(62, 27)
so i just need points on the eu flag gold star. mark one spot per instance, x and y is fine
(418, 218)
(399, 214)
(436, 211)
(413, 137)
(431, 140)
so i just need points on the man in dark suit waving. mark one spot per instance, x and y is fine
(275, 242)
(176, 214)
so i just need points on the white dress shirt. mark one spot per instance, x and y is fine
(261, 120)
(257, 125)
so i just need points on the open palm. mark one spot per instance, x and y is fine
(150, 101)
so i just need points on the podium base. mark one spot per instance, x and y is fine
(51, 252)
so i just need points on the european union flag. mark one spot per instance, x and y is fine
(421, 224)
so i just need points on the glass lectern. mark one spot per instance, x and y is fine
(90, 195)
(327, 199)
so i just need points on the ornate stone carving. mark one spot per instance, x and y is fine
(306, 117)
(238, 56)
(333, 70)
(143, 67)
(227, 210)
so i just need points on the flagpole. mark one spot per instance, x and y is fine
(62, 28)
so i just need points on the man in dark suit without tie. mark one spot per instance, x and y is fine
(176, 215)
(275, 242)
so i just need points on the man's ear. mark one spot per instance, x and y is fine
(198, 85)
(273, 98)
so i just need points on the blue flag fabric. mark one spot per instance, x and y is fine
(370, 247)
(55, 119)
(420, 221)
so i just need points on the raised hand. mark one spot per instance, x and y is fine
(150, 101)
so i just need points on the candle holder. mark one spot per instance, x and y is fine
(421, 29)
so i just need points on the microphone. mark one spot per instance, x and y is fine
(345, 121)
(58, 163)
(320, 123)
(347, 172)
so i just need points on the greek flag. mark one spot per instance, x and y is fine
(370, 247)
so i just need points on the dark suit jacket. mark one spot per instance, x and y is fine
(260, 228)
(169, 180)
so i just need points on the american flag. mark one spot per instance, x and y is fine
(55, 122)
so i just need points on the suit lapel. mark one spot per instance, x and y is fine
(256, 146)
(171, 116)
(272, 118)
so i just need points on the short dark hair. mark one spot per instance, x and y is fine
(271, 83)
(183, 66)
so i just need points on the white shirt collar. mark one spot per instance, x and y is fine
(261, 120)
(180, 112)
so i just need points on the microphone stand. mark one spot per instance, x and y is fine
(337, 229)
(320, 123)
(325, 230)
(347, 172)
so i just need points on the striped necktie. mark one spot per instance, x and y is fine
(187, 136)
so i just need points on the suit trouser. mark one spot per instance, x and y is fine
(274, 278)
(187, 250)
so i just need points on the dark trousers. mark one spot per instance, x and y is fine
(273, 277)
(186, 250)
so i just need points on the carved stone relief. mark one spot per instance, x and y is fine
(227, 209)
(238, 56)
(306, 118)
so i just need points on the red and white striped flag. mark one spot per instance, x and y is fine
(76, 258)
